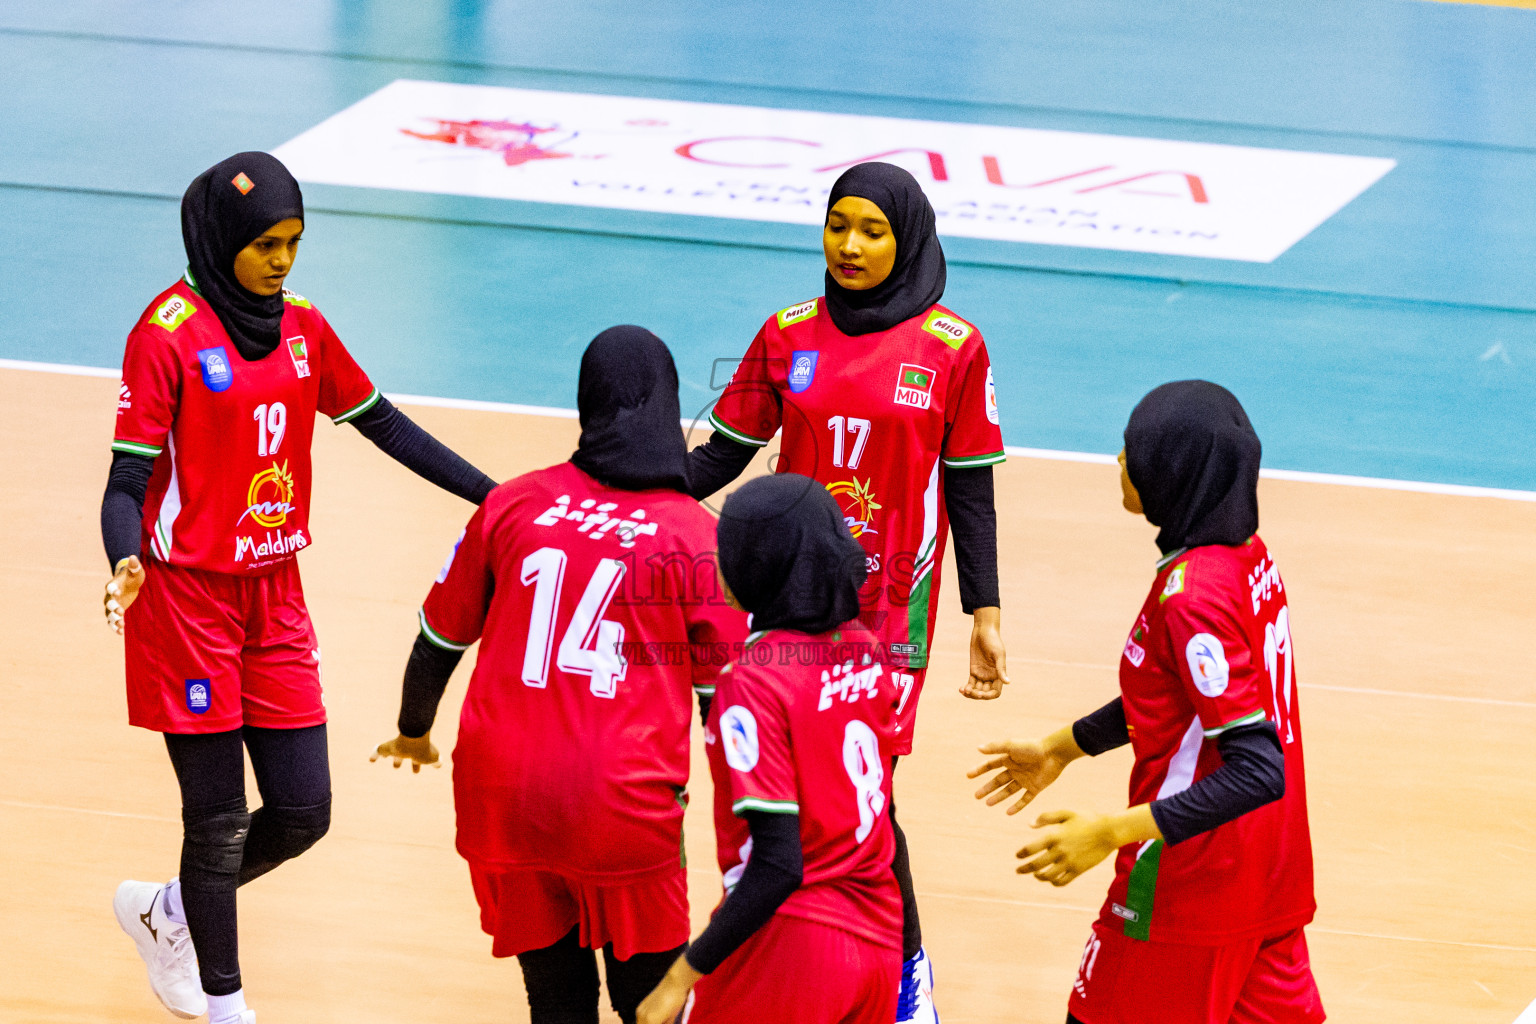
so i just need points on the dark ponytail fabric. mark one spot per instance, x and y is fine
(917, 279)
(1194, 459)
(225, 209)
(787, 555)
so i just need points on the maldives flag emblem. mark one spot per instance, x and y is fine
(241, 182)
(299, 350)
(914, 386)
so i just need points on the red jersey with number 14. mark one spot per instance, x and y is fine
(874, 418)
(1211, 650)
(805, 725)
(230, 438)
(598, 614)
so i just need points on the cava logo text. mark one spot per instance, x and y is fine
(755, 163)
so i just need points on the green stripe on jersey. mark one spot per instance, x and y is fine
(136, 448)
(1140, 889)
(358, 409)
(970, 461)
(736, 435)
(917, 621)
(752, 803)
(434, 637)
(1252, 718)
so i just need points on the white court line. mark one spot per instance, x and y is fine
(1335, 479)
(87, 810)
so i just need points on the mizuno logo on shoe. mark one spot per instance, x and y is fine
(144, 917)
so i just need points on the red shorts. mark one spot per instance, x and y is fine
(523, 909)
(210, 651)
(798, 970)
(909, 684)
(1253, 981)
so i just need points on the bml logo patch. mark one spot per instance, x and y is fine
(802, 370)
(216, 372)
(198, 695)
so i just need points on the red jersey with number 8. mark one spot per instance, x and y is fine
(874, 419)
(598, 614)
(230, 438)
(805, 725)
(1211, 650)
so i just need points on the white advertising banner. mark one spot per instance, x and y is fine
(767, 164)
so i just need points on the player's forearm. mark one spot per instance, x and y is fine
(426, 677)
(716, 463)
(1133, 825)
(969, 499)
(402, 439)
(1104, 729)
(122, 506)
(773, 872)
(1063, 746)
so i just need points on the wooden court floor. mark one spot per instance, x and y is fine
(1413, 616)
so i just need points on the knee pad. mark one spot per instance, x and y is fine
(292, 830)
(212, 846)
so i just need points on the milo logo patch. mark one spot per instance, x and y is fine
(953, 330)
(173, 312)
(794, 314)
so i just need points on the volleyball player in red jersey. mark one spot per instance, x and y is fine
(1213, 881)
(886, 398)
(592, 589)
(206, 506)
(798, 738)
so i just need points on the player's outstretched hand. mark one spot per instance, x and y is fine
(1075, 844)
(122, 591)
(418, 751)
(1024, 767)
(989, 661)
(665, 1003)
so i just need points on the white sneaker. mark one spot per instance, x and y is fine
(914, 1001)
(245, 1017)
(165, 946)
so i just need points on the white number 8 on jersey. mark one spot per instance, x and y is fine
(861, 759)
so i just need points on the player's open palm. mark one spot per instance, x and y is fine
(122, 591)
(1024, 767)
(418, 751)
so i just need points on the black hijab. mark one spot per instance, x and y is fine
(631, 424)
(787, 555)
(225, 209)
(1194, 459)
(917, 279)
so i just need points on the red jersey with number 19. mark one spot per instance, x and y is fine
(874, 418)
(805, 725)
(1212, 649)
(230, 438)
(598, 613)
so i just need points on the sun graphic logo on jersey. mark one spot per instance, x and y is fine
(299, 351)
(858, 504)
(270, 497)
(914, 386)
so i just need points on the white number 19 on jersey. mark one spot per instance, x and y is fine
(591, 644)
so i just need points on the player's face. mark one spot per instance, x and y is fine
(859, 243)
(1128, 496)
(261, 266)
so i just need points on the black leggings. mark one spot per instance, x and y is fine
(223, 847)
(911, 927)
(562, 980)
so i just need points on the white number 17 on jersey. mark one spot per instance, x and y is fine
(591, 644)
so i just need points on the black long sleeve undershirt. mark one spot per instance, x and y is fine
(968, 495)
(773, 872)
(392, 431)
(402, 439)
(1252, 773)
(426, 677)
(122, 506)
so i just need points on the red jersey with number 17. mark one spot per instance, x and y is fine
(805, 725)
(598, 613)
(874, 418)
(230, 438)
(1211, 650)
